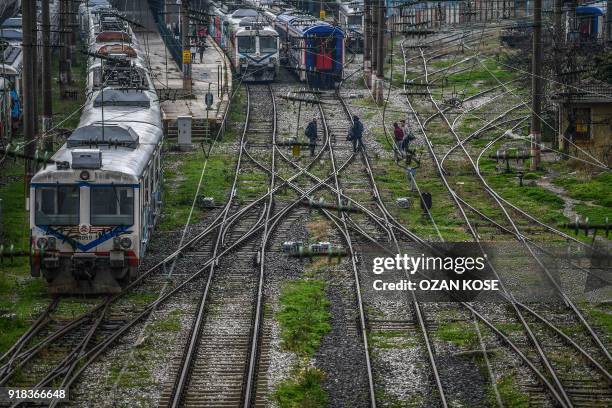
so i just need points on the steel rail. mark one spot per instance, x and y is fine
(475, 235)
(344, 228)
(414, 301)
(535, 257)
(543, 357)
(255, 337)
(189, 355)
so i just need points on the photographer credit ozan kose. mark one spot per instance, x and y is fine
(440, 273)
(438, 285)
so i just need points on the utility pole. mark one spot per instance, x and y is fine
(367, 40)
(380, 52)
(609, 21)
(65, 63)
(186, 46)
(373, 44)
(536, 86)
(558, 45)
(35, 69)
(47, 104)
(28, 9)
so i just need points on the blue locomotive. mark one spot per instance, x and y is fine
(314, 49)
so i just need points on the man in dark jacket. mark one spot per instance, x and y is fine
(311, 134)
(355, 134)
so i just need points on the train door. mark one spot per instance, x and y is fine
(324, 56)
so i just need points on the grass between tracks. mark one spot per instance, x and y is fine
(304, 320)
(393, 184)
(22, 298)
(181, 176)
(509, 392)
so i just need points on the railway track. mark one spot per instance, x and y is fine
(561, 395)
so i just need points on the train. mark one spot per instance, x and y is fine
(313, 49)
(251, 44)
(94, 206)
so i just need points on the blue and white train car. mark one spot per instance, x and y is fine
(92, 211)
(249, 41)
(313, 48)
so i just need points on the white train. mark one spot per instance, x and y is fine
(92, 212)
(250, 42)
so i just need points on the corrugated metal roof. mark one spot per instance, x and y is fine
(588, 90)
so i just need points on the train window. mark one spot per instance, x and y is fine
(267, 44)
(57, 205)
(112, 206)
(354, 20)
(246, 44)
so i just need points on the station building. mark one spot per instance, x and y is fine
(585, 119)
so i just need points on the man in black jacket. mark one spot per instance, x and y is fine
(355, 134)
(311, 134)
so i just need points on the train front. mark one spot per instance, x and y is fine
(257, 51)
(84, 214)
(324, 54)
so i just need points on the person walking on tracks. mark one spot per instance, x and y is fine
(408, 136)
(193, 48)
(311, 134)
(398, 135)
(201, 49)
(356, 133)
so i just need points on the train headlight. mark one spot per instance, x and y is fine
(242, 61)
(116, 242)
(273, 61)
(126, 243)
(41, 243)
(51, 243)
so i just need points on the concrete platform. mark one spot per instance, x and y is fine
(214, 71)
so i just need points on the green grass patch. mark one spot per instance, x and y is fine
(390, 340)
(393, 183)
(236, 116)
(602, 316)
(181, 181)
(302, 390)
(459, 333)
(15, 222)
(510, 393)
(141, 298)
(304, 316)
(509, 327)
(133, 374)
(252, 185)
(537, 201)
(596, 189)
(170, 323)
(22, 298)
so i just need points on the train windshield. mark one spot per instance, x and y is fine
(246, 44)
(354, 20)
(112, 205)
(57, 205)
(267, 44)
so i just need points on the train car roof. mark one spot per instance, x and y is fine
(593, 9)
(308, 25)
(13, 22)
(244, 12)
(11, 34)
(137, 132)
